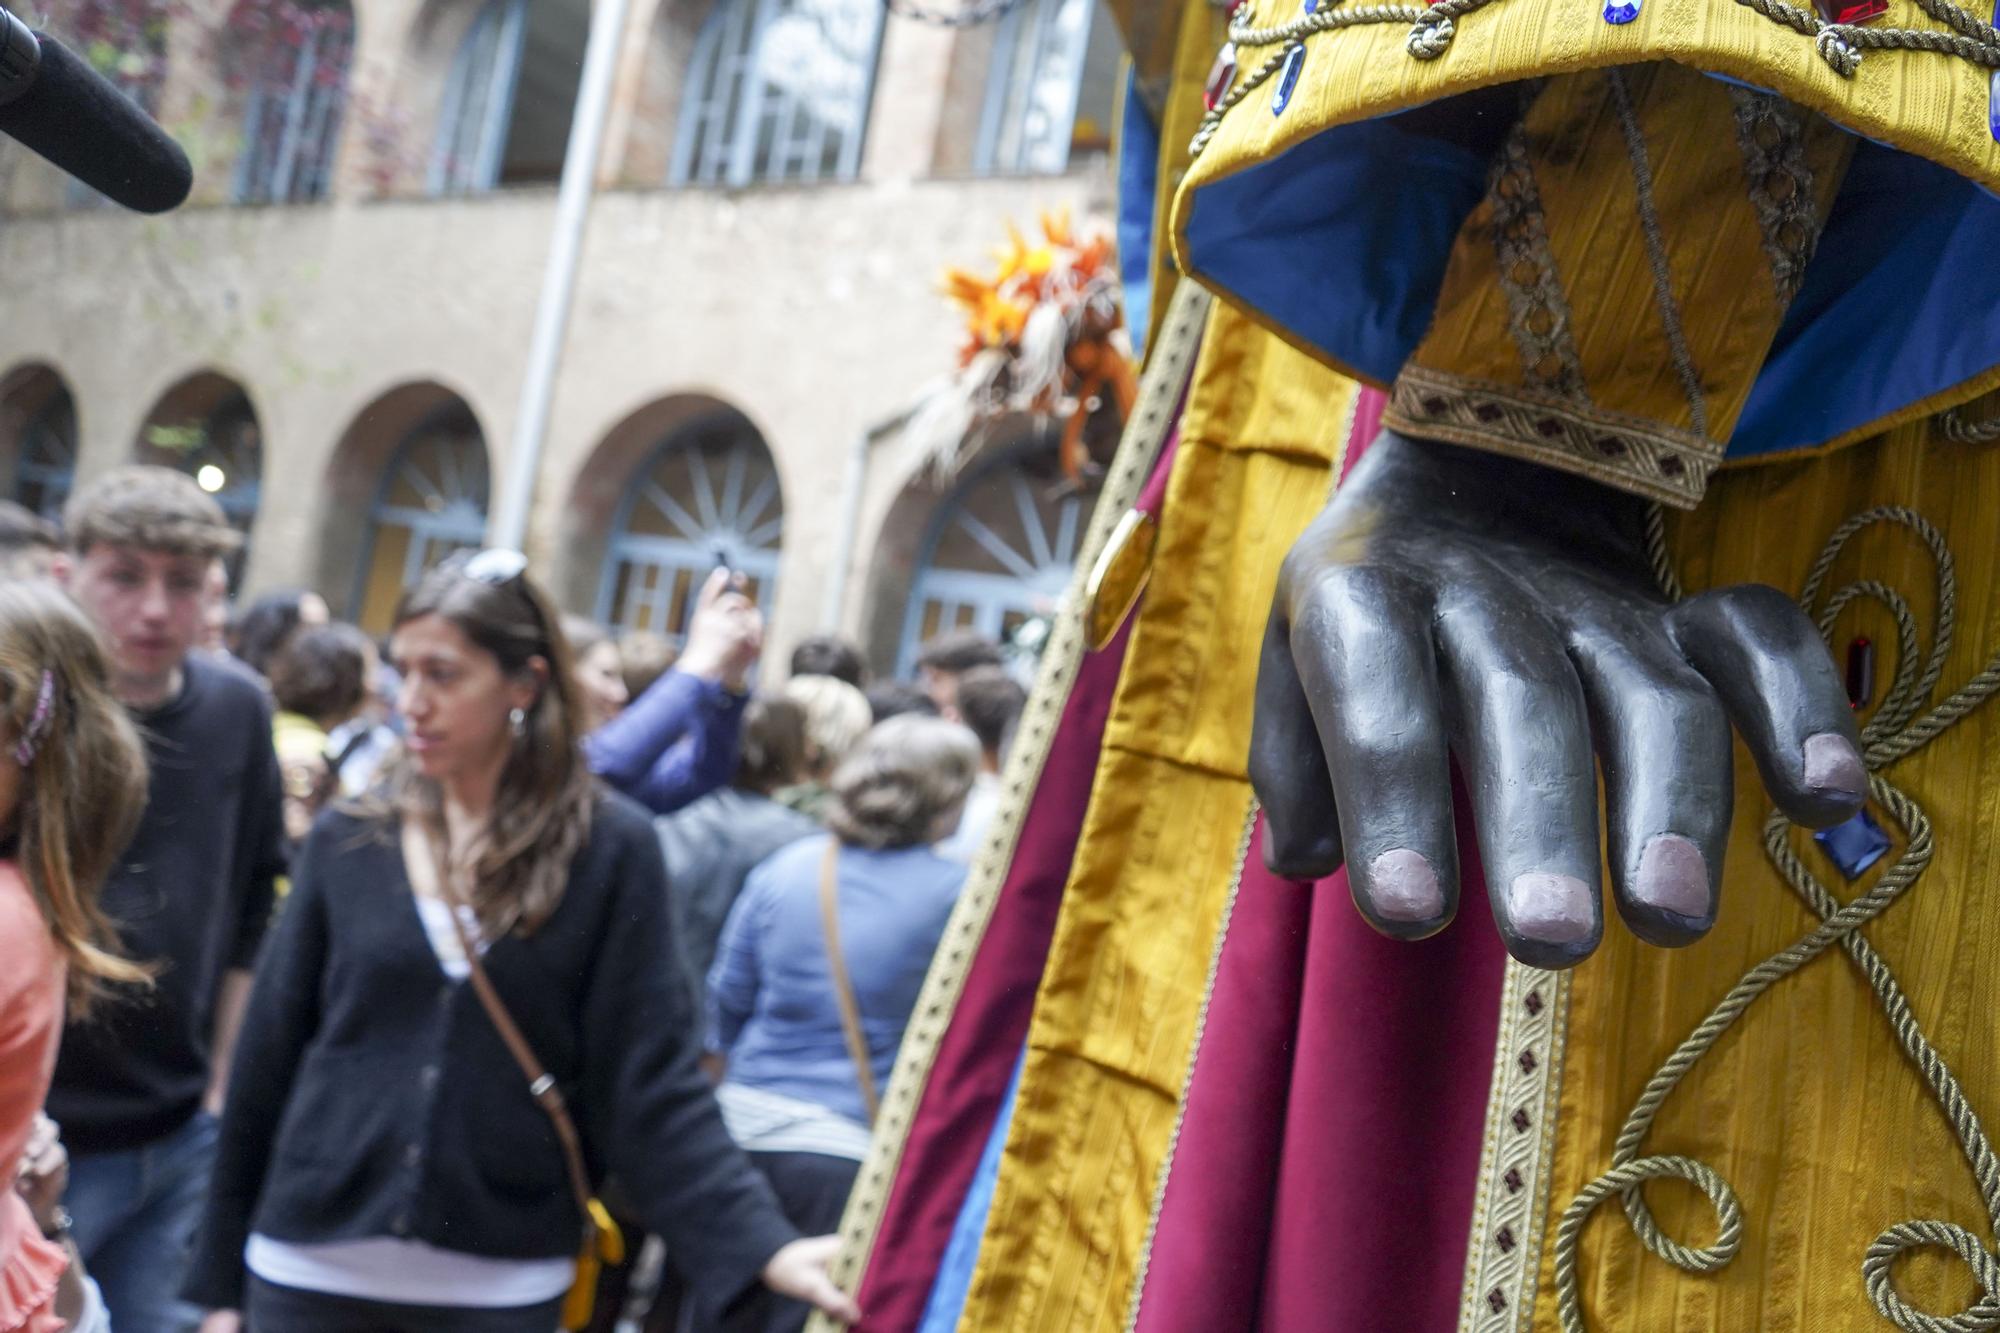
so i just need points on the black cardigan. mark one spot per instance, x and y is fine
(371, 1096)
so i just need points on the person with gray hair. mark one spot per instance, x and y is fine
(819, 968)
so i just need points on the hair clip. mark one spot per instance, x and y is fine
(38, 725)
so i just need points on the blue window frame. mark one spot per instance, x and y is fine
(709, 496)
(479, 101)
(1050, 87)
(778, 90)
(432, 502)
(999, 551)
(293, 60)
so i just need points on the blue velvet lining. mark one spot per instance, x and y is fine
(1343, 239)
(1138, 186)
(1900, 302)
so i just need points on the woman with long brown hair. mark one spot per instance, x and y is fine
(72, 784)
(468, 1016)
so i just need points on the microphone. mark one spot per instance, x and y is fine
(56, 104)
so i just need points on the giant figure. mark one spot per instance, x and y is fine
(1564, 465)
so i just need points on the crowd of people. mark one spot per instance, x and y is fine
(412, 984)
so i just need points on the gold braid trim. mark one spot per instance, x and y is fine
(1895, 732)
(1432, 28)
(1631, 453)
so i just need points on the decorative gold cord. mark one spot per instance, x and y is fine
(1895, 732)
(1432, 27)
(1961, 431)
(1656, 551)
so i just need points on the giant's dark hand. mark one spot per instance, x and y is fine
(1456, 603)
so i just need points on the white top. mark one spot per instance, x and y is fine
(981, 804)
(409, 1272)
(761, 1120)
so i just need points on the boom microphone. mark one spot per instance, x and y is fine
(59, 106)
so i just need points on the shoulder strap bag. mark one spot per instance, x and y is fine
(843, 986)
(603, 1242)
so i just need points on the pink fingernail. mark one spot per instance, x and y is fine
(1673, 876)
(1403, 887)
(1833, 766)
(1556, 909)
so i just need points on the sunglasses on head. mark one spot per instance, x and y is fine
(495, 567)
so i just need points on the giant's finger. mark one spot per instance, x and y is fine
(1767, 661)
(1663, 742)
(1522, 735)
(1362, 639)
(1287, 770)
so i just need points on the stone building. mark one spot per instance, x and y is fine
(333, 334)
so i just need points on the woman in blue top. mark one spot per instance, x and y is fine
(795, 1096)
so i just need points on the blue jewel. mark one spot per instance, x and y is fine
(1288, 77)
(1854, 845)
(1312, 6)
(1993, 106)
(1620, 11)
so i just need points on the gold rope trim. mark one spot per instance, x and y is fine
(1637, 456)
(1153, 418)
(1894, 733)
(1959, 430)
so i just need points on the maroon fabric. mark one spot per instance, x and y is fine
(1207, 1264)
(1367, 425)
(975, 1059)
(1386, 1115)
(1330, 1144)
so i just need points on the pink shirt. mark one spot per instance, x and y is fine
(31, 1016)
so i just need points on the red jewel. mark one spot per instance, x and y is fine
(1221, 76)
(1851, 11)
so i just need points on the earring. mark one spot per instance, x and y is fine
(517, 722)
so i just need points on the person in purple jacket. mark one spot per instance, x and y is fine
(678, 741)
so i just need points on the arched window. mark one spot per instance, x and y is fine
(778, 90)
(45, 467)
(1050, 89)
(511, 95)
(223, 452)
(288, 63)
(1000, 550)
(206, 427)
(709, 496)
(432, 502)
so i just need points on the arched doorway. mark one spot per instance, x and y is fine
(38, 438)
(431, 501)
(999, 550)
(709, 495)
(206, 427)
